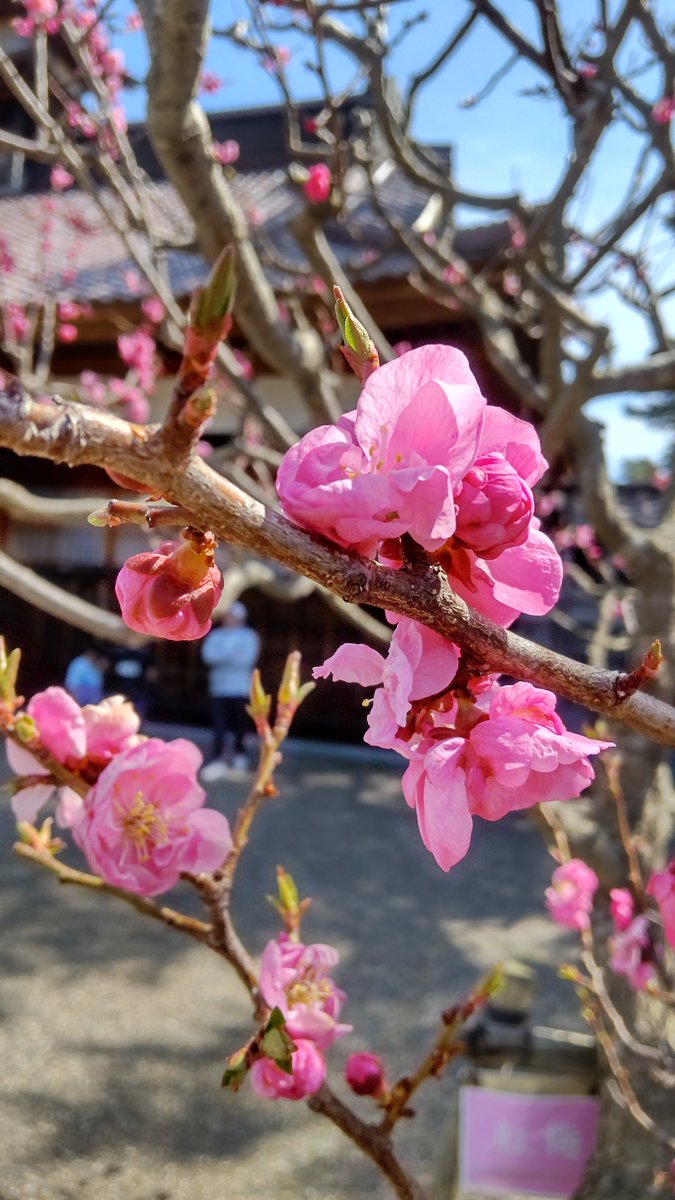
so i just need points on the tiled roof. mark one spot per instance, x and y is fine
(63, 244)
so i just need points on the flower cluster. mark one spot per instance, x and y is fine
(422, 455)
(296, 979)
(82, 739)
(141, 821)
(570, 897)
(474, 748)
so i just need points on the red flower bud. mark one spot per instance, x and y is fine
(171, 592)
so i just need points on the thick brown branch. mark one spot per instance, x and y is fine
(75, 434)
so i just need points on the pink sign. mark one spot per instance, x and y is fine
(511, 1142)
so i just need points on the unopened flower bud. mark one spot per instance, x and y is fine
(171, 592)
(359, 348)
(365, 1074)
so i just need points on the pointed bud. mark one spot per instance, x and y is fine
(359, 348)
(9, 669)
(366, 1075)
(213, 303)
(101, 519)
(290, 695)
(260, 705)
(199, 408)
(25, 729)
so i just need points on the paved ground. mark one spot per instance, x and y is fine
(114, 1032)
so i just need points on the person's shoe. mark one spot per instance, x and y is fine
(213, 771)
(240, 762)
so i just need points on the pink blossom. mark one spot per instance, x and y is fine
(391, 466)
(143, 823)
(60, 179)
(15, 321)
(94, 390)
(498, 560)
(154, 309)
(663, 110)
(507, 751)
(662, 887)
(295, 978)
(138, 407)
(170, 592)
(453, 275)
(494, 507)
(226, 152)
(523, 754)
(511, 283)
(67, 332)
(366, 1075)
(134, 23)
(309, 1072)
(80, 738)
(435, 786)
(138, 351)
(110, 726)
(41, 9)
(588, 70)
(570, 898)
(317, 187)
(622, 908)
(210, 82)
(632, 953)
(133, 280)
(419, 664)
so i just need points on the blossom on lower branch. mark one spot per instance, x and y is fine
(82, 739)
(309, 1072)
(296, 979)
(143, 822)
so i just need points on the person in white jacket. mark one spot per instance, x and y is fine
(230, 651)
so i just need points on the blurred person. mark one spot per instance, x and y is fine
(230, 651)
(134, 674)
(85, 676)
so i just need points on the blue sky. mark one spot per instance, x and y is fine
(508, 141)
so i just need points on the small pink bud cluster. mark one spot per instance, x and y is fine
(570, 897)
(226, 153)
(139, 352)
(171, 592)
(317, 187)
(296, 979)
(142, 823)
(365, 1074)
(664, 110)
(210, 82)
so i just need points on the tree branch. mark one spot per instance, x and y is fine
(74, 434)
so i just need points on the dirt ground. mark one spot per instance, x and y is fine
(115, 1030)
